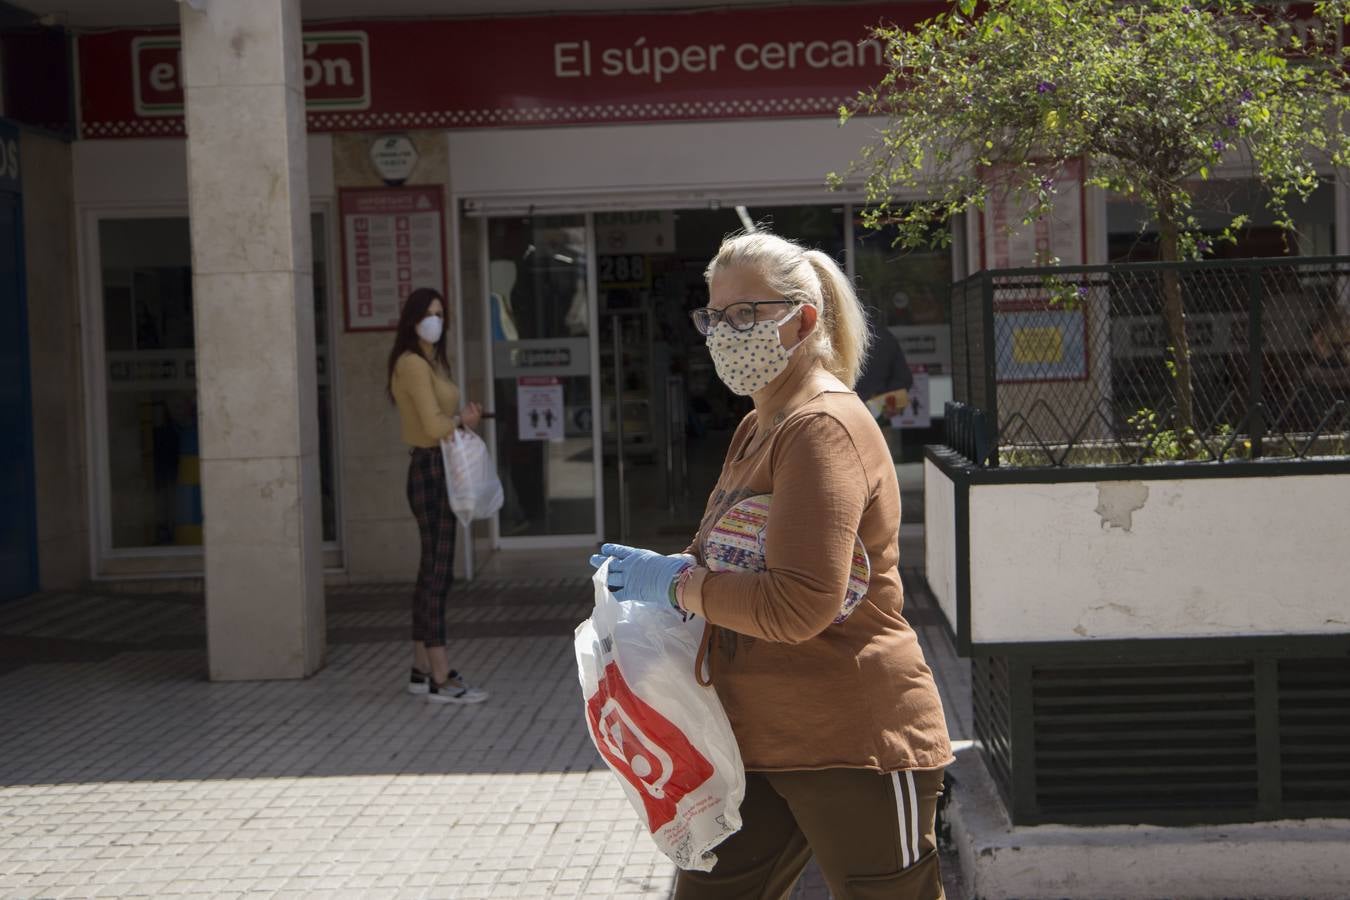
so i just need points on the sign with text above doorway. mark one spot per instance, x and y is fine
(335, 69)
(520, 71)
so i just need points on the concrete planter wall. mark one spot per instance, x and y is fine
(1151, 644)
(1017, 556)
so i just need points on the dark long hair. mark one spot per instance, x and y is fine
(406, 339)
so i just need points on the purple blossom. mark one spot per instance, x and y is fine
(1045, 87)
(1047, 183)
(1231, 121)
(1247, 96)
(1219, 145)
(1186, 9)
(1202, 245)
(1120, 20)
(1082, 290)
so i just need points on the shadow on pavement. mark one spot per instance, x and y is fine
(113, 688)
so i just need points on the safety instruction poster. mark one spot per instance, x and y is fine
(539, 401)
(917, 414)
(392, 243)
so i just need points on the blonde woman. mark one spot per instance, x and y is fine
(838, 722)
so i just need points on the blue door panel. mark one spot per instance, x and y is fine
(18, 529)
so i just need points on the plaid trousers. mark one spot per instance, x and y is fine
(430, 504)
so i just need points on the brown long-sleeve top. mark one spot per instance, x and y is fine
(427, 400)
(803, 693)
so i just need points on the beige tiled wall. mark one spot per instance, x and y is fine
(379, 535)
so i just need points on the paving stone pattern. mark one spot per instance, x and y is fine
(125, 773)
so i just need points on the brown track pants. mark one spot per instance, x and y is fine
(872, 836)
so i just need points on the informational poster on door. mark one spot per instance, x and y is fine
(392, 244)
(918, 414)
(539, 402)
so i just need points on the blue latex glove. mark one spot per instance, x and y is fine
(641, 576)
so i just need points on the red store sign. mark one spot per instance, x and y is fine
(336, 70)
(547, 70)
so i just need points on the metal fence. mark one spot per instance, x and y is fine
(1080, 366)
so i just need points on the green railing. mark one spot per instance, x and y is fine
(1079, 366)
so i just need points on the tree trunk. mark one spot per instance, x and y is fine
(1174, 313)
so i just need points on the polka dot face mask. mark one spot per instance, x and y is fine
(746, 361)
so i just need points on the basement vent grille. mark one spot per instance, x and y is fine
(1147, 737)
(993, 716)
(1315, 730)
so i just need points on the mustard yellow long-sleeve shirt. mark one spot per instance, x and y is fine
(427, 400)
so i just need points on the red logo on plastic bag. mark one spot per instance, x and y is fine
(644, 747)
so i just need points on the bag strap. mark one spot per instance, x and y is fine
(704, 643)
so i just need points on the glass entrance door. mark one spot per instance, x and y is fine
(539, 314)
(610, 421)
(666, 418)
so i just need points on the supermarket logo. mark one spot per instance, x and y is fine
(335, 67)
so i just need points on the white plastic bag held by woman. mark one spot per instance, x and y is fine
(667, 738)
(471, 478)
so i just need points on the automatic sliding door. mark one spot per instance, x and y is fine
(667, 419)
(539, 315)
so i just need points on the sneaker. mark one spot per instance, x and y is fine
(418, 681)
(454, 690)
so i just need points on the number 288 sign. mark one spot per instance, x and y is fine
(623, 270)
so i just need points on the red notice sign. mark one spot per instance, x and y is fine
(381, 228)
(532, 70)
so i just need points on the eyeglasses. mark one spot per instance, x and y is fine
(740, 316)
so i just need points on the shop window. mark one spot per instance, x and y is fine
(909, 293)
(1132, 235)
(149, 378)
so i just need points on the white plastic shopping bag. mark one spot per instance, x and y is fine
(667, 738)
(470, 477)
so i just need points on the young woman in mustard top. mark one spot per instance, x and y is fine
(428, 409)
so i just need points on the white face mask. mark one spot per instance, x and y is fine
(747, 361)
(429, 329)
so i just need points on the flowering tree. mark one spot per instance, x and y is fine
(1153, 94)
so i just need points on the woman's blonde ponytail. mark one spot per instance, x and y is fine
(843, 319)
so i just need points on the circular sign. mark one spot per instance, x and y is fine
(394, 157)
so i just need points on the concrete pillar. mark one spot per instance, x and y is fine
(253, 304)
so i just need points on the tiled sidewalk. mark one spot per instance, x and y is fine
(124, 773)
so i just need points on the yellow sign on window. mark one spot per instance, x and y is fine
(1038, 346)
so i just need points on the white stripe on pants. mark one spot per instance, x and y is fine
(909, 821)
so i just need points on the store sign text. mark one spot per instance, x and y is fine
(580, 59)
(335, 68)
